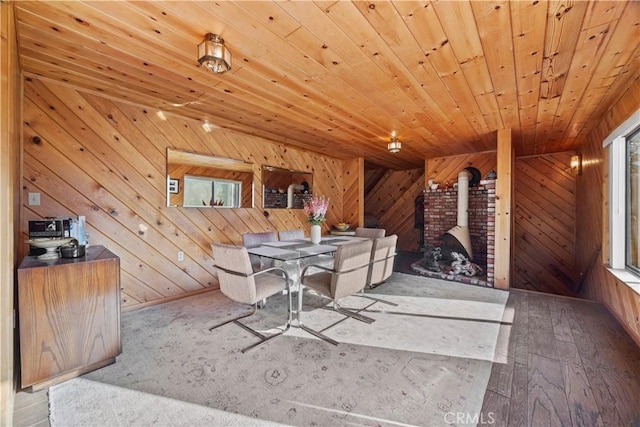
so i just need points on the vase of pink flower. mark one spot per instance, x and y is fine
(316, 209)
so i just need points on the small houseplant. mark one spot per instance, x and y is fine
(316, 210)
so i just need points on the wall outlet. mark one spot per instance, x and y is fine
(34, 199)
(180, 256)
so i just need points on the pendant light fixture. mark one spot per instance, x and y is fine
(213, 54)
(394, 144)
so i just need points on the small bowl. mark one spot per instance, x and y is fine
(434, 186)
(342, 226)
(72, 251)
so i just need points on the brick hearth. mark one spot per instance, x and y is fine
(440, 216)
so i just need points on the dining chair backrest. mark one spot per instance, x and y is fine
(383, 255)
(239, 287)
(251, 240)
(350, 268)
(371, 233)
(291, 235)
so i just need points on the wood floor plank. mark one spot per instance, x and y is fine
(547, 401)
(495, 410)
(541, 336)
(518, 409)
(501, 377)
(560, 314)
(502, 370)
(595, 379)
(24, 399)
(582, 405)
(604, 400)
(521, 328)
(625, 391)
(568, 352)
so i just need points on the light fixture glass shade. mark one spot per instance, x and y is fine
(213, 54)
(394, 144)
(576, 164)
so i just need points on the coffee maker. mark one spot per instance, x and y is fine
(48, 228)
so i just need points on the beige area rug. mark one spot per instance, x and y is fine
(420, 363)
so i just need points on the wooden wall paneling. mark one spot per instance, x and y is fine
(446, 169)
(535, 227)
(353, 195)
(559, 208)
(107, 159)
(139, 146)
(372, 176)
(10, 118)
(391, 202)
(592, 223)
(504, 210)
(137, 258)
(114, 178)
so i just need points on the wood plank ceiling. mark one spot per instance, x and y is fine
(337, 77)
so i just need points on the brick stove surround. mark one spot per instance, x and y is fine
(440, 215)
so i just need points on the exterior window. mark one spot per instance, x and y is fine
(623, 148)
(200, 192)
(633, 201)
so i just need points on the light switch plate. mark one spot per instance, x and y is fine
(34, 199)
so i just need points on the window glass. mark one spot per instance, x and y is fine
(633, 201)
(202, 192)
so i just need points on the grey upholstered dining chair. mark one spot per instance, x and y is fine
(251, 240)
(347, 277)
(291, 235)
(240, 283)
(371, 233)
(383, 255)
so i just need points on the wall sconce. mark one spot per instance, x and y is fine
(394, 144)
(576, 164)
(213, 54)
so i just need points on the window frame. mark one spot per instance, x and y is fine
(628, 206)
(615, 143)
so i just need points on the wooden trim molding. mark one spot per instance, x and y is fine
(10, 108)
(504, 219)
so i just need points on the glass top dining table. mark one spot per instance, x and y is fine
(296, 250)
(294, 255)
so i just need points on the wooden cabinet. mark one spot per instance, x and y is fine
(69, 316)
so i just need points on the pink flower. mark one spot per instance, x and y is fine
(316, 209)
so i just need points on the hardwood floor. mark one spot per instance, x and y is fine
(569, 363)
(31, 409)
(560, 362)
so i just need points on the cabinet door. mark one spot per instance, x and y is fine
(69, 318)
